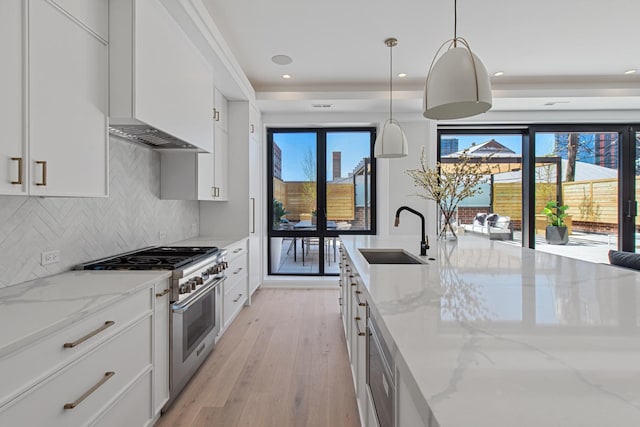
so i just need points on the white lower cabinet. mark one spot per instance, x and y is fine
(110, 368)
(130, 409)
(236, 286)
(87, 387)
(161, 346)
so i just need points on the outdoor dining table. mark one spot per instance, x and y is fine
(307, 225)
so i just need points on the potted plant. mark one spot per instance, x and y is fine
(556, 232)
(276, 242)
(278, 212)
(449, 184)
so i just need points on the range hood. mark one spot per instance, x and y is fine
(150, 136)
(160, 85)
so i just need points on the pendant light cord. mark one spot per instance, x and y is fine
(455, 23)
(391, 82)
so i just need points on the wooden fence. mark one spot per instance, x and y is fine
(298, 198)
(590, 201)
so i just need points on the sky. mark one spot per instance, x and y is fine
(354, 146)
(544, 141)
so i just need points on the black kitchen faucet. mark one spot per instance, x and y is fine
(424, 243)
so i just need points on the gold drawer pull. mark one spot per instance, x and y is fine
(163, 293)
(19, 160)
(44, 172)
(354, 284)
(238, 299)
(106, 325)
(237, 250)
(238, 270)
(360, 303)
(107, 376)
(340, 301)
(360, 333)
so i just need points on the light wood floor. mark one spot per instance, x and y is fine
(282, 363)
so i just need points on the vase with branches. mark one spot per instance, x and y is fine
(449, 184)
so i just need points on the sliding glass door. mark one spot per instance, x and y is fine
(321, 184)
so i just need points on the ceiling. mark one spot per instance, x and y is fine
(555, 54)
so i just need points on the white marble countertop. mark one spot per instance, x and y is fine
(498, 335)
(33, 310)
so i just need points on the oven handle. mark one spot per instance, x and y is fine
(181, 307)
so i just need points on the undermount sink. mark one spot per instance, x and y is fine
(389, 256)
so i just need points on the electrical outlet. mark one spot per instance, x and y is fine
(162, 235)
(50, 257)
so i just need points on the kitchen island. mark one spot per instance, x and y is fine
(491, 334)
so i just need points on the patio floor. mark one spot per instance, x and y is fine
(309, 264)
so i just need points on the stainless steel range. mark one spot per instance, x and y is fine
(195, 318)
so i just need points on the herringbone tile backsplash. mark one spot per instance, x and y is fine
(131, 217)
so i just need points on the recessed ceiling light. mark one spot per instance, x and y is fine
(401, 75)
(631, 71)
(282, 59)
(286, 76)
(498, 73)
(321, 105)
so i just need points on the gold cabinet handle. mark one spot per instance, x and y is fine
(360, 303)
(20, 164)
(360, 333)
(354, 284)
(105, 378)
(340, 301)
(238, 270)
(163, 293)
(235, 251)
(107, 324)
(44, 172)
(238, 299)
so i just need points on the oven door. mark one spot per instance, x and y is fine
(195, 323)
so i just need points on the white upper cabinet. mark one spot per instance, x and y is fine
(158, 76)
(55, 84)
(13, 150)
(199, 176)
(221, 111)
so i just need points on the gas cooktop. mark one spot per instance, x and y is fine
(154, 258)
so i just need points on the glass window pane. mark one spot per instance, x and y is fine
(294, 181)
(582, 174)
(500, 193)
(348, 181)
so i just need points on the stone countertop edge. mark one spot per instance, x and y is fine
(112, 286)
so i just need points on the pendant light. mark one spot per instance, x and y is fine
(391, 141)
(457, 84)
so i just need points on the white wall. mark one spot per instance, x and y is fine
(132, 217)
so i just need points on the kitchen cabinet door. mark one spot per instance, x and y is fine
(161, 346)
(67, 103)
(220, 164)
(13, 150)
(255, 213)
(221, 109)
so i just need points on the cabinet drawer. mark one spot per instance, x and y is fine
(127, 355)
(132, 408)
(235, 295)
(236, 250)
(237, 267)
(25, 367)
